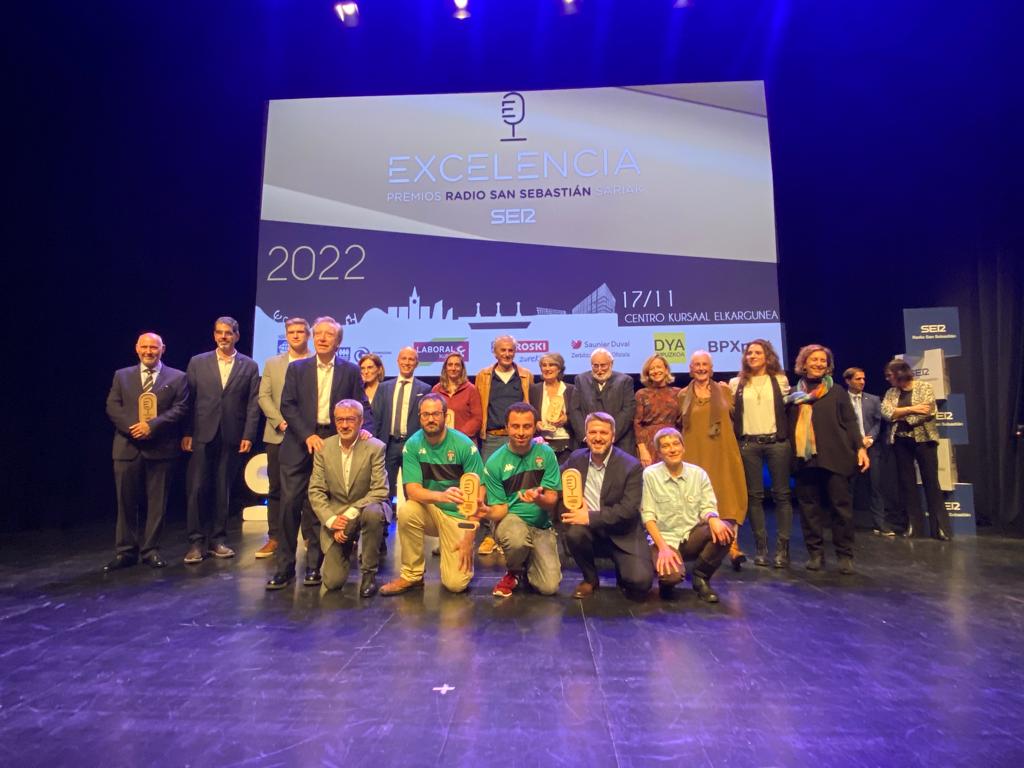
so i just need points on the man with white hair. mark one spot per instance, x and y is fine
(607, 391)
(311, 386)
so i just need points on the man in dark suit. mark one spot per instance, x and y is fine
(609, 523)
(609, 392)
(311, 386)
(348, 491)
(144, 451)
(224, 386)
(400, 409)
(868, 408)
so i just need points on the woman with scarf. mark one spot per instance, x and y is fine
(909, 407)
(827, 451)
(706, 407)
(760, 421)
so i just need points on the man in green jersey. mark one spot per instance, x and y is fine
(433, 461)
(523, 482)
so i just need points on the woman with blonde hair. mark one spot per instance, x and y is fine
(465, 409)
(656, 406)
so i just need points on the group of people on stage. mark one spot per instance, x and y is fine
(665, 475)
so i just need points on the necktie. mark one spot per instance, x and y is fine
(147, 384)
(396, 422)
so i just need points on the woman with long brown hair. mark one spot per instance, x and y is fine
(760, 424)
(465, 409)
(371, 370)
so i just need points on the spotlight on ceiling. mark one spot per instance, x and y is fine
(461, 9)
(570, 7)
(682, 4)
(348, 13)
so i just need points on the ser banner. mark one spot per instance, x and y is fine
(639, 219)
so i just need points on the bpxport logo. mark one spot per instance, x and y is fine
(725, 345)
(436, 350)
(671, 345)
(513, 112)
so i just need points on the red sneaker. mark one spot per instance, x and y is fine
(506, 586)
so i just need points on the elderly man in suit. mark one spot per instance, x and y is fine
(296, 333)
(604, 390)
(609, 523)
(348, 491)
(224, 385)
(868, 408)
(399, 416)
(144, 451)
(310, 387)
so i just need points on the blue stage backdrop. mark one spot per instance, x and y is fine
(639, 219)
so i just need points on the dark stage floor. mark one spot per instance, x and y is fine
(915, 661)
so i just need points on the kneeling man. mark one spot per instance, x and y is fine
(523, 482)
(433, 461)
(680, 512)
(348, 491)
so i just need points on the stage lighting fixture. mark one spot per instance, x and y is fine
(348, 13)
(682, 3)
(461, 9)
(569, 7)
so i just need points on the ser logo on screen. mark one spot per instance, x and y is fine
(513, 112)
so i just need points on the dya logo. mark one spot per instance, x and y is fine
(513, 112)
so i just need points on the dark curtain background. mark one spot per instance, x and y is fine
(136, 150)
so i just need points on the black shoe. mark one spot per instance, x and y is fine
(666, 591)
(943, 536)
(368, 586)
(153, 560)
(312, 578)
(761, 552)
(704, 590)
(846, 566)
(781, 553)
(909, 533)
(280, 580)
(816, 562)
(119, 562)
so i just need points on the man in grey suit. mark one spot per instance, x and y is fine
(224, 418)
(603, 390)
(399, 400)
(348, 490)
(296, 332)
(144, 451)
(868, 408)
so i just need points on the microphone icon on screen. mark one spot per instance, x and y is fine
(513, 111)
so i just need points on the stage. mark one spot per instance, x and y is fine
(914, 661)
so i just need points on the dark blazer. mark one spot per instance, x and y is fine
(299, 403)
(621, 492)
(233, 411)
(172, 405)
(836, 432)
(383, 399)
(537, 401)
(617, 399)
(871, 409)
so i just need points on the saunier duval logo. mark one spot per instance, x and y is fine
(671, 345)
(513, 112)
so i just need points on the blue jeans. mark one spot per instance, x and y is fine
(778, 457)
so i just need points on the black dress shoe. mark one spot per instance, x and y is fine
(909, 533)
(153, 560)
(368, 586)
(280, 580)
(312, 578)
(119, 562)
(943, 536)
(816, 562)
(704, 590)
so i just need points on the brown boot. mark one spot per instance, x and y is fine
(736, 556)
(400, 585)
